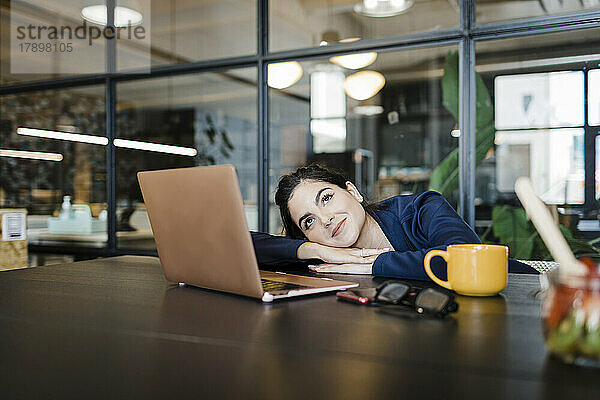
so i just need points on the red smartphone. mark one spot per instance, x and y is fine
(361, 296)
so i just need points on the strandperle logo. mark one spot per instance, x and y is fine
(47, 39)
(84, 31)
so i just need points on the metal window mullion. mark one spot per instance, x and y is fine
(262, 115)
(61, 83)
(466, 123)
(386, 44)
(537, 25)
(497, 30)
(195, 67)
(589, 158)
(111, 173)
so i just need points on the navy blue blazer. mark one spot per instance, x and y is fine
(414, 224)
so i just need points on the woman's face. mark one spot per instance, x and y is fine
(326, 213)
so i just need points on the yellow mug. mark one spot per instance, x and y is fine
(473, 269)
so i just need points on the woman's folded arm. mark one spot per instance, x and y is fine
(274, 251)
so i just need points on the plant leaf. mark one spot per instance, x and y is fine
(444, 177)
(226, 140)
(450, 84)
(511, 227)
(450, 95)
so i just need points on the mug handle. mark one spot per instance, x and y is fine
(428, 257)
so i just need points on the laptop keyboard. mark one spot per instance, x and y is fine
(273, 286)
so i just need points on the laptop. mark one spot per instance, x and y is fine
(202, 238)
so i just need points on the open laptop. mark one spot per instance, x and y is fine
(199, 225)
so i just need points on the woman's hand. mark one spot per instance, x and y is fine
(338, 255)
(362, 269)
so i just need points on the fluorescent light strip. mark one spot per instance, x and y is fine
(161, 148)
(73, 137)
(33, 155)
(101, 140)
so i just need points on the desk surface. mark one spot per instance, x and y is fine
(42, 236)
(115, 328)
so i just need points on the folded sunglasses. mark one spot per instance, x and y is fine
(427, 301)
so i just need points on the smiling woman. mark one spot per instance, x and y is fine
(327, 220)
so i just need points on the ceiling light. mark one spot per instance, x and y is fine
(327, 98)
(368, 110)
(284, 74)
(124, 16)
(364, 84)
(32, 155)
(349, 40)
(160, 148)
(355, 61)
(382, 8)
(73, 137)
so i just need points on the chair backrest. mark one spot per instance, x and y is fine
(540, 266)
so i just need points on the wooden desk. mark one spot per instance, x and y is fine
(114, 328)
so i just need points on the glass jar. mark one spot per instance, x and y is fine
(571, 317)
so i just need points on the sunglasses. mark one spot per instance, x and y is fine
(424, 301)
(428, 301)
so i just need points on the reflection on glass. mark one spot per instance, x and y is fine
(45, 39)
(300, 24)
(162, 32)
(364, 84)
(284, 74)
(539, 100)
(186, 121)
(597, 183)
(188, 31)
(594, 97)
(495, 11)
(537, 90)
(43, 167)
(552, 158)
(387, 143)
(355, 61)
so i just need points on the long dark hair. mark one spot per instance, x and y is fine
(288, 182)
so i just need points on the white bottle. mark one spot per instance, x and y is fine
(66, 209)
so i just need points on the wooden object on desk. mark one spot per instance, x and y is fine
(13, 238)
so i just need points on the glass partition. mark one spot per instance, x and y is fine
(383, 124)
(496, 11)
(46, 39)
(203, 119)
(538, 94)
(191, 30)
(594, 97)
(52, 145)
(299, 24)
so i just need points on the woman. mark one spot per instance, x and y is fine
(326, 219)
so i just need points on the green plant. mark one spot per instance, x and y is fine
(512, 228)
(215, 140)
(444, 178)
(510, 225)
